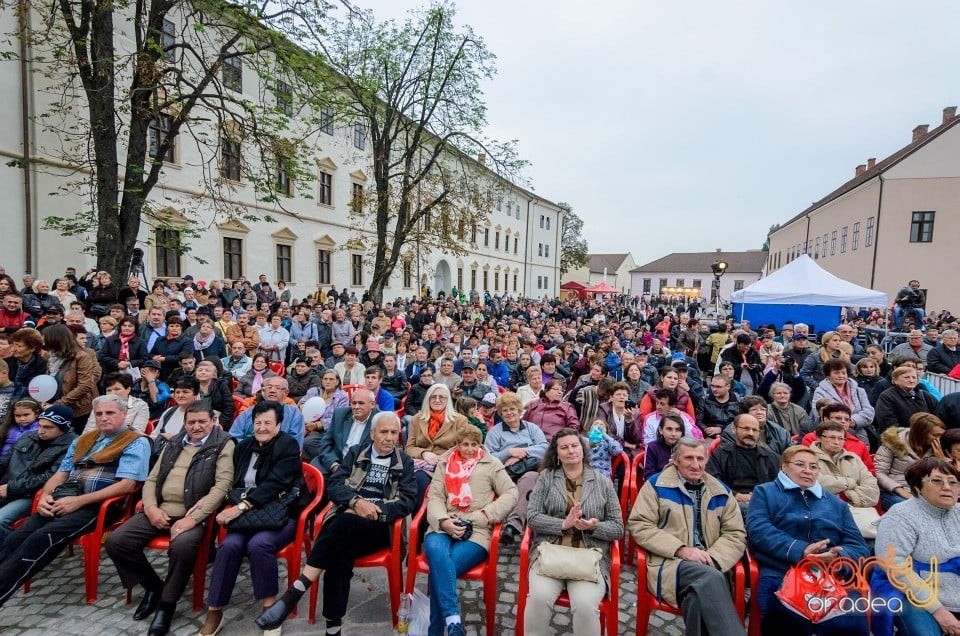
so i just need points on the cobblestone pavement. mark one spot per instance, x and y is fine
(53, 608)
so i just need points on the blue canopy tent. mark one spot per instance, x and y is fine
(802, 292)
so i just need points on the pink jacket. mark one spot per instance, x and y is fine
(551, 416)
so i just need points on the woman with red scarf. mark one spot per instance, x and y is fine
(470, 493)
(124, 349)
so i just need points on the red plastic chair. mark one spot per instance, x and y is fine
(647, 602)
(92, 542)
(636, 481)
(486, 571)
(23, 520)
(151, 424)
(403, 407)
(238, 403)
(278, 368)
(713, 446)
(199, 567)
(350, 388)
(609, 609)
(293, 552)
(388, 558)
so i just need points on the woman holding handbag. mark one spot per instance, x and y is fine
(266, 470)
(575, 516)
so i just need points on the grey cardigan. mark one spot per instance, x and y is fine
(548, 507)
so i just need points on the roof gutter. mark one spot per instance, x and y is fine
(876, 233)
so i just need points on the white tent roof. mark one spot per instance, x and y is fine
(803, 282)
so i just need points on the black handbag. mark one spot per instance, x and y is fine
(67, 489)
(518, 469)
(273, 515)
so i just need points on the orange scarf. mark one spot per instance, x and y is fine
(436, 421)
(457, 478)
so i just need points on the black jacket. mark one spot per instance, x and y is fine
(22, 372)
(300, 384)
(221, 399)
(734, 356)
(109, 355)
(716, 414)
(278, 468)
(942, 360)
(399, 491)
(723, 463)
(171, 350)
(895, 407)
(27, 467)
(395, 385)
(415, 398)
(949, 410)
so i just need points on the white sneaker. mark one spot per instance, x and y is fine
(273, 632)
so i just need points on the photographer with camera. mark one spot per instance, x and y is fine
(910, 299)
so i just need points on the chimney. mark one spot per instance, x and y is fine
(871, 162)
(860, 170)
(920, 132)
(718, 250)
(949, 113)
(482, 158)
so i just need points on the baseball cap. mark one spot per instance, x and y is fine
(489, 400)
(799, 336)
(150, 364)
(469, 365)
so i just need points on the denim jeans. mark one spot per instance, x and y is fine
(449, 559)
(11, 512)
(888, 500)
(914, 621)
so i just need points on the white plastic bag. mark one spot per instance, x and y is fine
(419, 614)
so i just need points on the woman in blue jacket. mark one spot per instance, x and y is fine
(793, 517)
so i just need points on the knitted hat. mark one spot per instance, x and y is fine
(60, 415)
(373, 345)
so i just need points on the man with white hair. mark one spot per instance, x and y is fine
(946, 355)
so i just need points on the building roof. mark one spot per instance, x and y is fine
(749, 262)
(918, 142)
(612, 262)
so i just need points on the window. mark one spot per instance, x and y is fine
(697, 283)
(407, 274)
(737, 285)
(460, 279)
(541, 221)
(326, 120)
(284, 96)
(663, 283)
(168, 39)
(427, 221)
(548, 222)
(921, 227)
(359, 137)
(518, 211)
(168, 253)
(646, 285)
(855, 241)
(284, 263)
(323, 266)
(158, 134)
(496, 281)
(833, 243)
(326, 188)
(356, 270)
(282, 181)
(516, 243)
(514, 283)
(539, 249)
(230, 162)
(823, 252)
(486, 237)
(816, 248)
(506, 246)
(356, 201)
(500, 205)
(681, 281)
(233, 73)
(232, 257)
(486, 280)
(473, 279)
(843, 239)
(496, 240)
(546, 250)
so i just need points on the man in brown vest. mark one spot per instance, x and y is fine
(104, 463)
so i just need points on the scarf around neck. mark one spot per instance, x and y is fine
(125, 345)
(201, 344)
(457, 478)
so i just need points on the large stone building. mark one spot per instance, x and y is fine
(897, 219)
(307, 237)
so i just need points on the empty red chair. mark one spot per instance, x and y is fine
(609, 609)
(278, 368)
(350, 388)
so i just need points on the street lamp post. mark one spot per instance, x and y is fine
(719, 268)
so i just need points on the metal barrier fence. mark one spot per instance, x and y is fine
(943, 383)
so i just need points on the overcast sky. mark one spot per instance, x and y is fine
(697, 125)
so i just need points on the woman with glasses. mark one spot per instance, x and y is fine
(920, 530)
(793, 518)
(432, 432)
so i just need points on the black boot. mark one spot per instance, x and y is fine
(274, 615)
(148, 605)
(162, 620)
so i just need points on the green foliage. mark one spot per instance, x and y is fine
(573, 247)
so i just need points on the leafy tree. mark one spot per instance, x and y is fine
(125, 83)
(573, 247)
(766, 242)
(413, 91)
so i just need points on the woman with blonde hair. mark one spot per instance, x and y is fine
(432, 432)
(812, 370)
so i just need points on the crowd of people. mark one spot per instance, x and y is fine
(197, 399)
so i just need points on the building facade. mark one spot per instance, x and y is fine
(692, 271)
(307, 237)
(614, 269)
(894, 221)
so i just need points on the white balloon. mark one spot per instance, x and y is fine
(313, 409)
(42, 388)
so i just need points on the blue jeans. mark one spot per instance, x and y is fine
(449, 559)
(914, 621)
(888, 500)
(779, 620)
(11, 512)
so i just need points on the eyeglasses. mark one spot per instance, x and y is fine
(801, 466)
(438, 397)
(937, 482)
